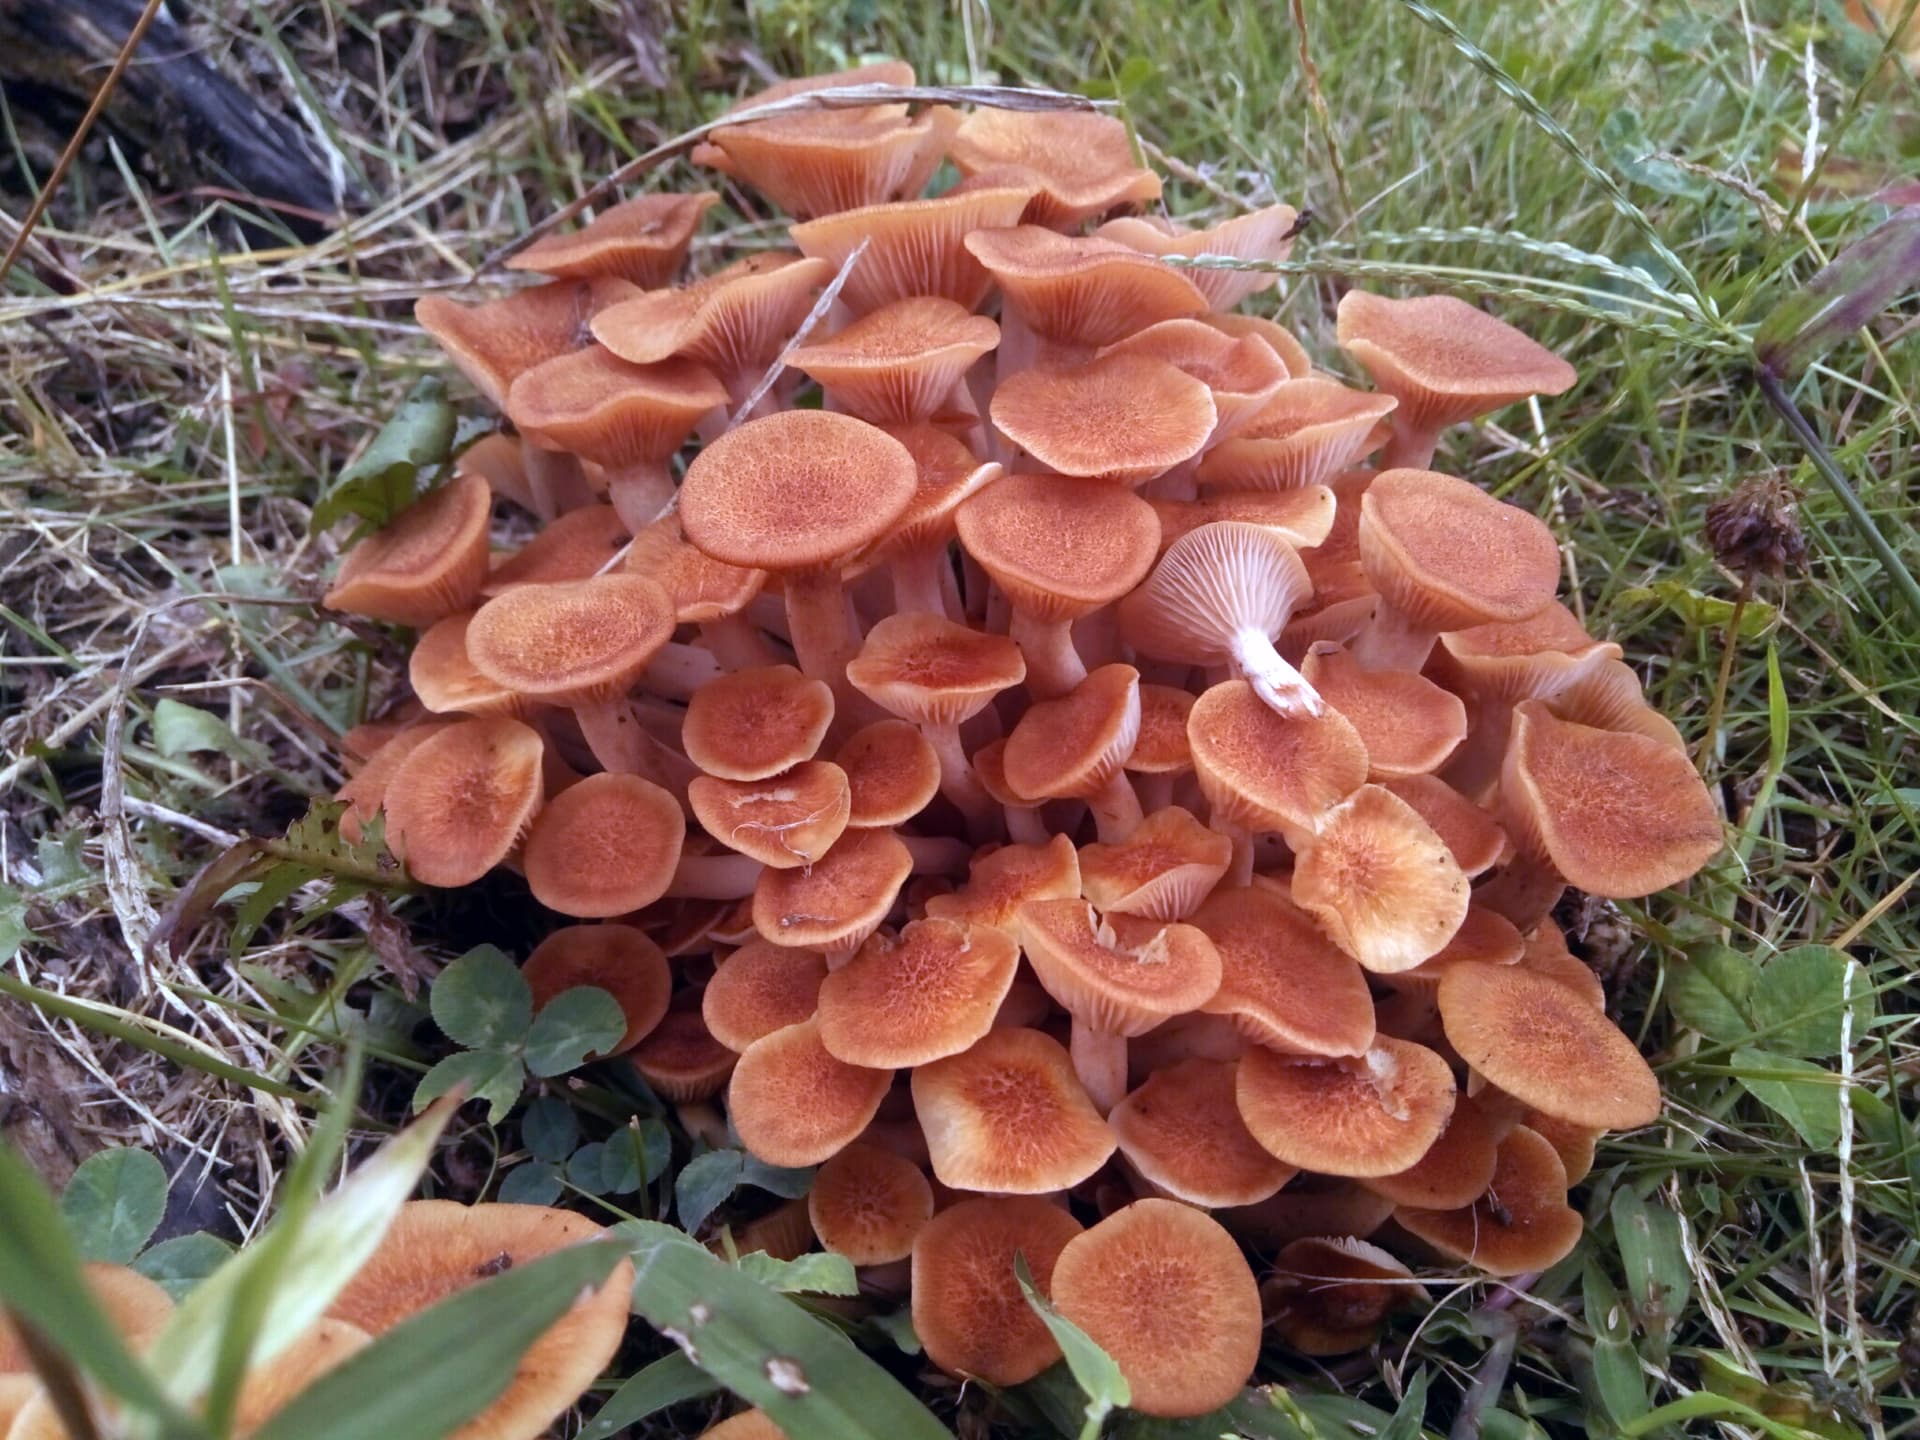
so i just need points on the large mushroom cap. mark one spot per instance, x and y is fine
(436, 1247)
(1078, 291)
(895, 365)
(1522, 1223)
(1009, 1116)
(869, 1204)
(1164, 1290)
(1082, 163)
(761, 988)
(1409, 725)
(1456, 1169)
(840, 900)
(605, 846)
(824, 161)
(610, 411)
(429, 561)
(1161, 747)
(1060, 546)
(914, 247)
(1282, 982)
(578, 544)
(1547, 1044)
(1376, 1115)
(1242, 373)
(572, 642)
(967, 1307)
(892, 772)
(928, 669)
(797, 490)
(461, 801)
(1182, 1131)
(619, 959)
(785, 822)
(1125, 418)
(1268, 771)
(1123, 974)
(930, 991)
(1074, 745)
(1449, 556)
(793, 1103)
(1617, 814)
(1445, 360)
(753, 724)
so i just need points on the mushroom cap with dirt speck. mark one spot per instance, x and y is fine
(1521, 1224)
(794, 1103)
(913, 247)
(1182, 1131)
(571, 642)
(928, 992)
(1546, 1044)
(892, 772)
(840, 900)
(427, 562)
(1282, 982)
(1082, 162)
(1163, 870)
(967, 1306)
(1075, 744)
(1061, 546)
(1009, 1116)
(753, 724)
(1449, 556)
(1117, 974)
(642, 240)
(1122, 418)
(930, 670)
(461, 802)
(895, 365)
(435, 1248)
(1164, 1290)
(1268, 771)
(1078, 291)
(869, 1204)
(605, 846)
(761, 988)
(785, 821)
(619, 959)
(1000, 881)
(1376, 1114)
(1328, 1295)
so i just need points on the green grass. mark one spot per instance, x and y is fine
(121, 483)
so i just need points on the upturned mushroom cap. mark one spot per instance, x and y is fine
(761, 988)
(1380, 882)
(892, 774)
(793, 1103)
(1615, 813)
(1303, 518)
(907, 999)
(1164, 1290)
(1118, 974)
(1264, 234)
(930, 670)
(1523, 1222)
(1310, 430)
(1000, 881)
(895, 365)
(1074, 745)
(497, 340)
(1448, 556)
(444, 678)
(967, 1307)
(642, 240)
(840, 900)
(1268, 771)
(1516, 659)
(605, 846)
(733, 322)
(1183, 1132)
(1409, 725)
(604, 409)
(573, 546)
(1546, 1044)
(572, 642)
(1485, 935)
(1162, 871)
(459, 804)
(1456, 1169)
(1282, 982)
(1546, 953)
(1242, 373)
(435, 1248)
(753, 724)
(1078, 291)
(1060, 546)
(786, 821)
(1445, 360)
(1329, 1294)
(794, 491)
(824, 161)
(700, 587)
(1124, 418)
(619, 959)
(1083, 163)
(428, 562)
(914, 247)
(1161, 748)
(950, 474)
(1009, 1116)
(681, 1060)
(1472, 836)
(1375, 1115)
(869, 1204)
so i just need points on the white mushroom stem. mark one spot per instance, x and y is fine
(702, 1122)
(1281, 688)
(679, 670)
(1240, 871)
(959, 783)
(1100, 1060)
(1024, 825)
(825, 638)
(921, 579)
(1391, 640)
(714, 877)
(1116, 809)
(1053, 666)
(624, 746)
(937, 854)
(555, 481)
(1411, 446)
(1155, 790)
(640, 491)
(738, 644)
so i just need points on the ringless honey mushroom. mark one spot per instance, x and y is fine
(1295, 752)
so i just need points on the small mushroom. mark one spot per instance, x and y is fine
(869, 1205)
(1329, 1295)
(1374, 1115)
(461, 802)
(1076, 746)
(787, 821)
(1082, 163)
(581, 829)
(892, 772)
(761, 988)
(1120, 418)
(897, 365)
(619, 959)
(1182, 1131)
(1311, 430)
(1409, 725)
(426, 563)
(754, 724)
(1163, 870)
(793, 1103)
(968, 1310)
(908, 999)
(1521, 1224)
(643, 241)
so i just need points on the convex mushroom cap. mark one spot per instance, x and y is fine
(619, 959)
(1522, 1223)
(642, 240)
(429, 561)
(461, 801)
(605, 846)
(793, 1103)
(1374, 1115)
(907, 999)
(869, 1204)
(571, 642)
(1082, 163)
(967, 1306)
(1123, 418)
(1181, 1129)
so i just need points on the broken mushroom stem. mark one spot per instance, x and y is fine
(1281, 687)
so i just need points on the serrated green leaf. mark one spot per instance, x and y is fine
(491, 1076)
(1711, 990)
(186, 729)
(1655, 1261)
(440, 1368)
(1798, 1001)
(179, 1264)
(571, 1028)
(775, 1180)
(703, 1185)
(386, 478)
(1799, 1092)
(114, 1203)
(535, 1182)
(1093, 1370)
(670, 1380)
(821, 1273)
(482, 999)
(807, 1376)
(14, 930)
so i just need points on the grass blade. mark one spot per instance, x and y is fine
(667, 1381)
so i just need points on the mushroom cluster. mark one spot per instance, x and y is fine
(1027, 760)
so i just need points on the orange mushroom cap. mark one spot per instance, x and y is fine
(1409, 725)
(1473, 837)
(1162, 871)
(444, 678)
(824, 161)
(734, 322)
(595, 405)
(895, 365)
(892, 774)
(1303, 518)
(429, 561)
(680, 1059)
(619, 959)
(571, 642)
(1242, 373)
(1299, 364)
(930, 991)
(1456, 1169)
(497, 340)
(1123, 418)
(1182, 1131)
(1082, 163)
(459, 804)
(1264, 234)
(1078, 291)
(1375, 1115)
(1282, 982)
(1120, 974)
(793, 1103)
(366, 792)
(609, 817)
(967, 1307)
(1523, 1222)
(1076, 744)
(840, 900)
(1060, 546)
(914, 247)
(1312, 429)
(753, 724)
(1448, 556)
(1161, 747)
(1000, 881)
(930, 670)
(137, 1308)
(869, 1204)
(642, 240)
(786, 821)
(1268, 771)
(1328, 1295)
(574, 546)
(1546, 953)
(761, 988)
(700, 587)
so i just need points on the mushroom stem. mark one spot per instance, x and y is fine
(918, 585)
(1024, 825)
(824, 638)
(1053, 666)
(1391, 640)
(1240, 871)
(1100, 1060)
(1283, 689)
(937, 854)
(1411, 446)
(738, 644)
(640, 491)
(624, 746)
(679, 670)
(555, 481)
(714, 877)
(1116, 809)
(1155, 790)
(958, 782)
(702, 1122)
